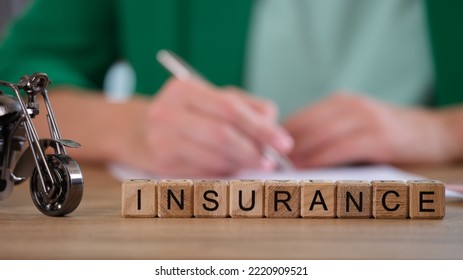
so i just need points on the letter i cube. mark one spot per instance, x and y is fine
(139, 198)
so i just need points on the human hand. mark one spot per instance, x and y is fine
(194, 129)
(345, 129)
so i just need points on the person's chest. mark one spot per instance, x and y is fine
(208, 34)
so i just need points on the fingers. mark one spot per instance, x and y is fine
(343, 129)
(256, 126)
(174, 153)
(236, 110)
(320, 123)
(197, 160)
(195, 129)
(348, 149)
(223, 140)
(326, 131)
(311, 116)
(266, 108)
(384, 135)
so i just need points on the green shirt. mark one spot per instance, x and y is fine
(301, 51)
(75, 41)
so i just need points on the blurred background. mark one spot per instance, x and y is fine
(9, 9)
(120, 80)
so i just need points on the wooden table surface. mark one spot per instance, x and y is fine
(96, 230)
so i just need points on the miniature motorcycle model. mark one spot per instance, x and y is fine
(56, 181)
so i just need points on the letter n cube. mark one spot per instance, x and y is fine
(175, 199)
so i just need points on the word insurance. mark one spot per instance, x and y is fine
(417, 199)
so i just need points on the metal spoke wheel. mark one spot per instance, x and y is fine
(68, 190)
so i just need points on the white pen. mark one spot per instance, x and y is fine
(182, 71)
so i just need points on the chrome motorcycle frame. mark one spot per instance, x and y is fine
(56, 179)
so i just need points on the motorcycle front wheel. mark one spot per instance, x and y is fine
(69, 185)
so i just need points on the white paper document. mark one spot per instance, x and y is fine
(369, 173)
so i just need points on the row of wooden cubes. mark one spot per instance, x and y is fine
(284, 199)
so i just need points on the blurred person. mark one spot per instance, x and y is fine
(354, 81)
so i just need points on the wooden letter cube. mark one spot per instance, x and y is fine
(139, 198)
(353, 199)
(318, 199)
(175, 199)
(282, 199)
(390, 199)
(427, 199)
(211, 198)
(246, 198)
